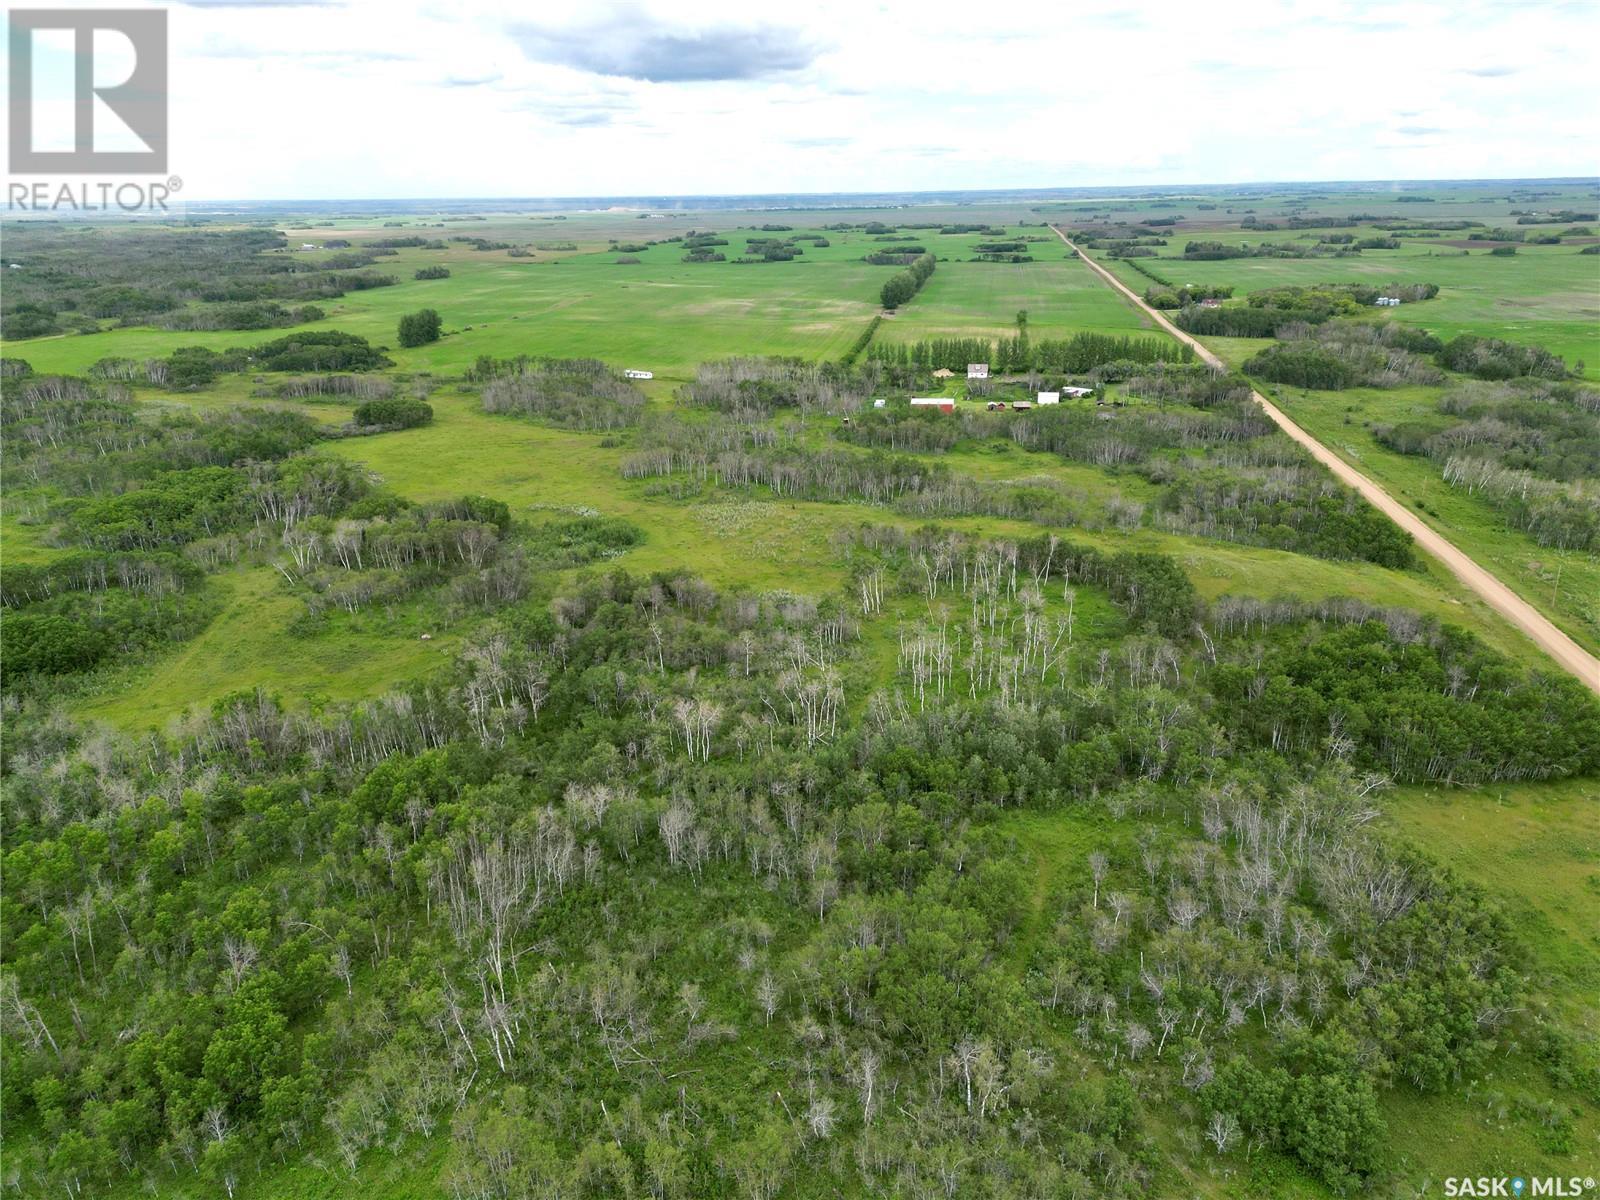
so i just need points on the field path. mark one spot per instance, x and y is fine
(1497, 595)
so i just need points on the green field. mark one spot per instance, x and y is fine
(979, 299)
(661, 314)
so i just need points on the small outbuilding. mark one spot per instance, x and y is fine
(1049, 397)
(977, 370)
(879, 402)
(943, 403)
(1022, 405)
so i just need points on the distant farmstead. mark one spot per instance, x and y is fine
(1387, 301)
(640, 374)
(1077, 393)
(977, 370)
(943, 403)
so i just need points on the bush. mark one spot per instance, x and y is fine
(48, 644)
(324, 350)
(420, 328)
(432, 273)
(1302, 365)
(401, 412)
(1491, 358)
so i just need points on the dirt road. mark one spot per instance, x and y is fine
(1571, 656)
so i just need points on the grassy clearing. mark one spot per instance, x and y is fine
(250, 644)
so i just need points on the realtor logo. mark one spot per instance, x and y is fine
(79, 106)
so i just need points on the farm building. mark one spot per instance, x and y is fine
(640, 374)
(1022, 405)
(943, 403)
(1076, 393)
(944, 373)
(1049, 397)
(977, 370)
(1211, 302)
(994, 406)
(879, 402)
(1387, 301)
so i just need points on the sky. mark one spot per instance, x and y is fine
(334, 99)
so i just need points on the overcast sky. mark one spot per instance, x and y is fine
(422, 98)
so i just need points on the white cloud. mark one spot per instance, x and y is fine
(371, 98)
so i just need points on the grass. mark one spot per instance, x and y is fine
(250, 644)
(980, 299)
(659, 314)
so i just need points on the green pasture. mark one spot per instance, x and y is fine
(658, 314)
(981, 299)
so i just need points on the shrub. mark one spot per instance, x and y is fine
(402, 412)
(435, 272)
(1301, 365)
(420, 328)
(1491, 358)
